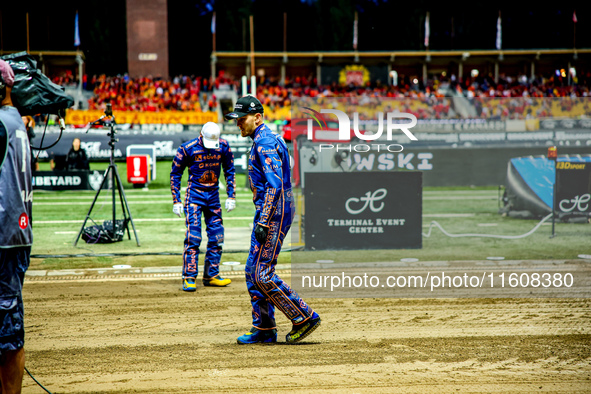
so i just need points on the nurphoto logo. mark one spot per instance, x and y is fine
(346, 133)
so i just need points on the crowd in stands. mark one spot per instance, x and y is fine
(182, 93)
(509, 97)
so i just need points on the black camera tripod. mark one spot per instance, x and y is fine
(115, 181)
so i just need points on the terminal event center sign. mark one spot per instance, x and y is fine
(363, 210)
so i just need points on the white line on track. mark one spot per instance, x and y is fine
(106, 201)
(432, 215)
(76, 232)
(459, 191)
(135, 220)
(42, 195)
(107, 195)
(460, 198)
(169, 200)
(448, 215)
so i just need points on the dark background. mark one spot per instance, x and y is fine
(319, 25)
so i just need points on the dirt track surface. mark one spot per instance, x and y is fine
(147, 336)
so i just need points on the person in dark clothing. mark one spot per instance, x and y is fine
(77, 158)
(16, 234)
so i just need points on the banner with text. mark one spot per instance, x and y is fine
(82, 117)
(573, 195)
(363, 210)
(68, 180)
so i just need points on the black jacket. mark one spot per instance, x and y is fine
(77, 160)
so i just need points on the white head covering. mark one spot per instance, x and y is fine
(211, 135)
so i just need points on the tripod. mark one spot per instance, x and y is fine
(115, 180)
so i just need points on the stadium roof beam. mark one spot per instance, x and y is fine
(389, 54)
(492, 61)
(73, 54)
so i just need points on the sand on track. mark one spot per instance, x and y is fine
(147, 336)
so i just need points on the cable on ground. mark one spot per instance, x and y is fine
(40, 385)
(434, 223)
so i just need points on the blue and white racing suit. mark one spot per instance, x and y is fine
(269, 178)
(202, 196)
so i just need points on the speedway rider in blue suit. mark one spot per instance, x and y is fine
(270, 181)
(205, 157)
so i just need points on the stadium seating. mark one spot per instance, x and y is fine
(509, 98)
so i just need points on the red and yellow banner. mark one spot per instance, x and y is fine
(79, 117)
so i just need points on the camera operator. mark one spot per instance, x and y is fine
(16, 235)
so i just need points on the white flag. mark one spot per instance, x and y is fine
(427, 31)
(499, 39)
(213, 24)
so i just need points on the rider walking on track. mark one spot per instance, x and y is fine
(270, 181)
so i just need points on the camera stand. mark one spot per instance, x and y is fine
(115, 183)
